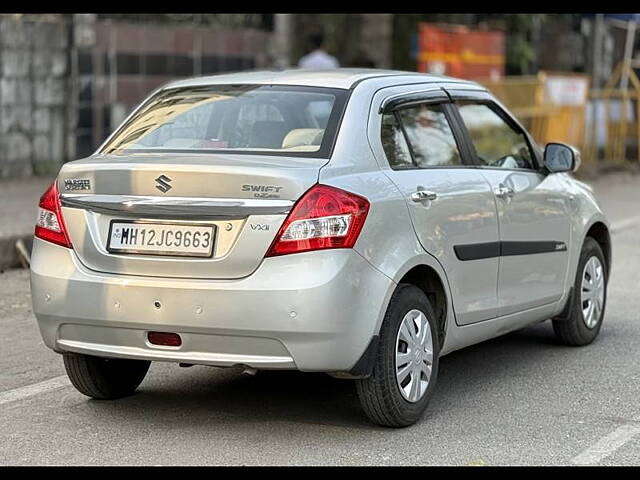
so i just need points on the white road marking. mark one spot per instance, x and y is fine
(34, 389)
(625, 433)
(608, 444)
(624, 224)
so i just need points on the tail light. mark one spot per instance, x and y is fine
(50, 224)
(324, 217)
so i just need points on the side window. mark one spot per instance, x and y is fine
(430, 136)
(497, 144)
(394, 144)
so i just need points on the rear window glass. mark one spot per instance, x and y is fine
(294, 121)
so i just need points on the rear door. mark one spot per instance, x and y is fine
(451, 204)
(533, 207)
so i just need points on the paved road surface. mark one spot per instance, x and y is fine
(518, 399)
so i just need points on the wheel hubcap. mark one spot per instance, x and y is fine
(414, 355)
(592, 294)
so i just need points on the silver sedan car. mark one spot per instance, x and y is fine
(361, 223)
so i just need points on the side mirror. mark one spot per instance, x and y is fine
(559, 157)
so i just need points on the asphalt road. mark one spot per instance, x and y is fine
(521, 399)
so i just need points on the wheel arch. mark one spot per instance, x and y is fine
(599, 231)
(427, 279)
(433, 282)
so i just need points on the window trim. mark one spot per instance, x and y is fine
(502, 113)
(434, 94)
(445, 105)
(412, 154)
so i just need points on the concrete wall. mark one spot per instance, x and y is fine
(66, 81)
(34, 93)
(120, 63)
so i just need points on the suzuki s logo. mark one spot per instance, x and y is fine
(163, 183)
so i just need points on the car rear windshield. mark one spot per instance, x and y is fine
(258, 119)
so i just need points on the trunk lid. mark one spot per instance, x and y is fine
(244, 197)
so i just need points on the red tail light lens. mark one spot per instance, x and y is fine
(324, 217)
(50, 224)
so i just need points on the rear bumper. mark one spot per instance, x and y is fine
(313, 311)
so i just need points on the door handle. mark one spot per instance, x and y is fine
(502, 191)
(422, 195)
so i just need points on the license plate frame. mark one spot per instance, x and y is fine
(160, 253)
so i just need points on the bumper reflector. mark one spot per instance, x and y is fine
(165, 339)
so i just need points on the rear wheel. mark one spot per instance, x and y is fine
(583, 323)
(104, 378)
(406, 366)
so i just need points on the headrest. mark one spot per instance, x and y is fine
(303, 136)
(266, 134)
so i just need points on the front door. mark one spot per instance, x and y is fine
(532, 209)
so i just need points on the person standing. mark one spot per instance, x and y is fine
(318, 59)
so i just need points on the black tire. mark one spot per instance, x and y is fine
(104, 378)
(379, 393)
(572, 330)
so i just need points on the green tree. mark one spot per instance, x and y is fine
(522, 42)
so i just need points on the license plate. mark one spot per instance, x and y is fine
(161, 239)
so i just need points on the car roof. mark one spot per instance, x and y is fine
(344, 78)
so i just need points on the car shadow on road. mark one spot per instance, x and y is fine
(205, 396)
